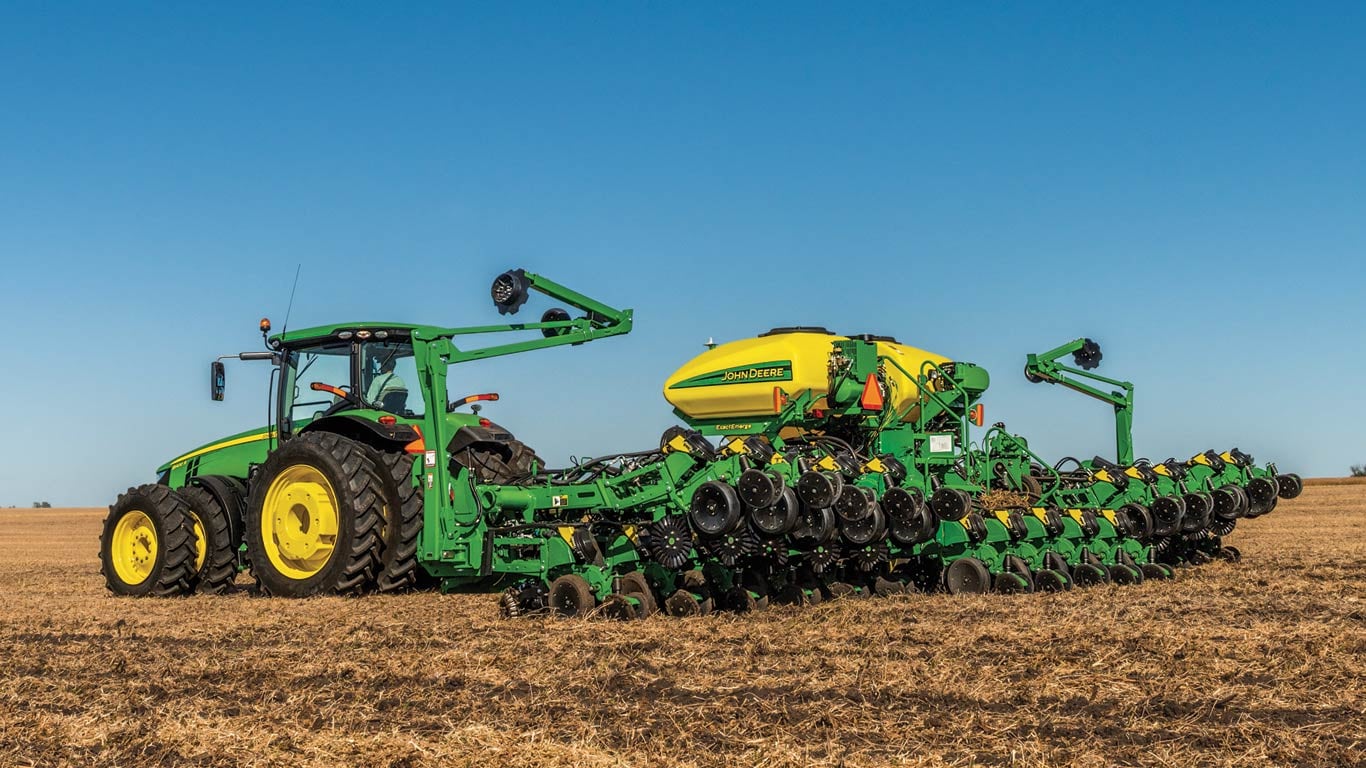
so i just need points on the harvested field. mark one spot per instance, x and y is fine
(1262, 663)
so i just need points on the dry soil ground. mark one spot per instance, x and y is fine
(1255, 664)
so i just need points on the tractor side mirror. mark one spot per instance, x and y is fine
(218, 380)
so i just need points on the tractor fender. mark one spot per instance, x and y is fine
(488, 438)
(385, 437)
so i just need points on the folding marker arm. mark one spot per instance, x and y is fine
(511, 290)
(1086, 354)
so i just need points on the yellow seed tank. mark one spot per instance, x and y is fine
(737, 379)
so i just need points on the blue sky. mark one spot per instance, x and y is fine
(1183, 184)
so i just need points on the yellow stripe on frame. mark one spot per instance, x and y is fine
(225, 444)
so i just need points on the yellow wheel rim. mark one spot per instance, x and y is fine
(201, 545)
(133, 550)
(299, 521)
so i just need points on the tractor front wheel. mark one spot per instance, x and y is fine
(215, 549)
(148, 544)
(313, 523)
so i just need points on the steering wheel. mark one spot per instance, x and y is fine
(343, 398)
(488, 396)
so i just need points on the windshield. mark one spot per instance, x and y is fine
(329, 365)
(380, 374)
(388, 378)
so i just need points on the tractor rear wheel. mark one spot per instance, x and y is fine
(402, 522)
(148, 544)
(215, 549)
(313, 523)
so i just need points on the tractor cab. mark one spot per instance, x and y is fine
(345, 371)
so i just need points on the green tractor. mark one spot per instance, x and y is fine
(366, 477)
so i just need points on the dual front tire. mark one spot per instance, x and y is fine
(326, 515)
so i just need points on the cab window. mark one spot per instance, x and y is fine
(330, 365)
(388, 378)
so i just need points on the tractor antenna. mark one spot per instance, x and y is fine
(292, 289)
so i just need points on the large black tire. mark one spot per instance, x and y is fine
(353, 560)
(402, 523)
(509, 463)
(231, 493)
(219, 569)
(524, 461)
(156, 544)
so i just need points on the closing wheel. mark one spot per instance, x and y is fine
(866, 530)
(618, 608)
(1225, 504)
(1261, 494)
(1009, 584)
(314, 519)
(570, 596)
(216, 551)
(1049, 580)
(902, 505)
(758, 489)
(888, 587)
(1140, 520)
(1017, 565)
(819, 489)
(837, 590)
(789, 594)
(1167, 512)
(950, 504)
(1123, 575)
(1291, 486)
(755, 585)
(854, 503)
(148, 544)
(967, 575)
(1088, 575)
(778, 518)
(684, 603)
(1199, 509)
(815, 527)
(1231, 554)
(1156, 572)
(635, 588)
(715, 508)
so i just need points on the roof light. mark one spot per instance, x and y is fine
(381, 334)
(344, 335)
(362, 334)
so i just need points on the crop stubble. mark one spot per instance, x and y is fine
(1252, 664)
